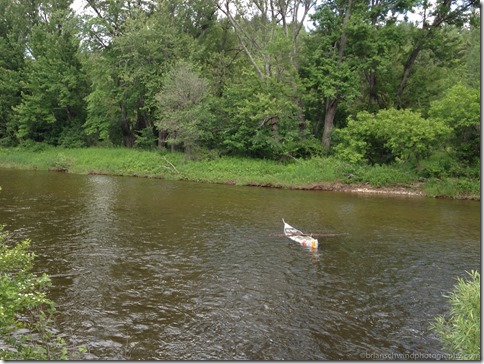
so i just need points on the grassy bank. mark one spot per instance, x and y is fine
(316, 173)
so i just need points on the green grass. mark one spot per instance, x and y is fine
(234, 170)
(460, 329)
(463, 188)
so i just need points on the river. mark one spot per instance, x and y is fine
(153, 269)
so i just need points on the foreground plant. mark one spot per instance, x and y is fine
(26, 313)
(460, 330)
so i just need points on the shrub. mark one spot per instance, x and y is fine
(440, 164)
(389, 136)
(25, 310)
(146, 139)
(33, 146)
(460, 109)
(72, 138)
(305, 148)
(453, 187)
(261, 120)
(460, 331)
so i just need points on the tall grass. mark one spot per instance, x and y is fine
(291, 173)
(136, 162)
(460, 331)
(453, 187)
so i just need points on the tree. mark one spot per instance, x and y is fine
(259, 119)
(16, 21)
(460, 110)
(269, 34)
(432, 19)
(52, 107)
(330, 72)
(182, 107)
(262, 27)
(377, 40)
(128, 72)
(473, 54)
(220, 57)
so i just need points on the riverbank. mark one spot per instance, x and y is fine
(326, 174)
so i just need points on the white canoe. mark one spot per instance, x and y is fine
(300, 237)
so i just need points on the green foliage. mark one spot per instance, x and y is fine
(25, 311)
(383, 175)
(210, 166)
(443, 163)
(261, 119)
(389, 136)
(54, 84)
(330, 68)
(272, 87)
(473, 55)
(460, 110)
(305, 148)
(460, 330)
(463, 187)
(103, 110)
(128, 74)
(334, 75)
(439, 65)
(182, 106)
(145, 139)
(73, 137)
(14, 29)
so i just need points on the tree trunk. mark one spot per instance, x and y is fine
(444, 14)
(128, 137)
(162, 135)
(330, 112)
(332, 103)
(406, 73)
(373, 101)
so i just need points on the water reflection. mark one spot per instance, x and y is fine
(160, 270)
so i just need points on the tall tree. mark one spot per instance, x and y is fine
(375, 39)
(434, 15)
(130, 59)
(52, 107)
(16, 21)
(182, 107)
(330, 72)
(268, 31)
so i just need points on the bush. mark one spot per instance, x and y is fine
(146, 139)
(389, 136)
(440, 164)
(33, 146)
(460, 109)
(306, 148)
(460, 331)
(72, 138)
(261, 120)
(25, 310)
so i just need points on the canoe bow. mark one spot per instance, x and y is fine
(299, 237)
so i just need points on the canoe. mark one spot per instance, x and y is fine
(299, 237)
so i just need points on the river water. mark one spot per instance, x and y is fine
(153, 269)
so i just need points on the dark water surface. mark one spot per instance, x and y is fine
(151, 269)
